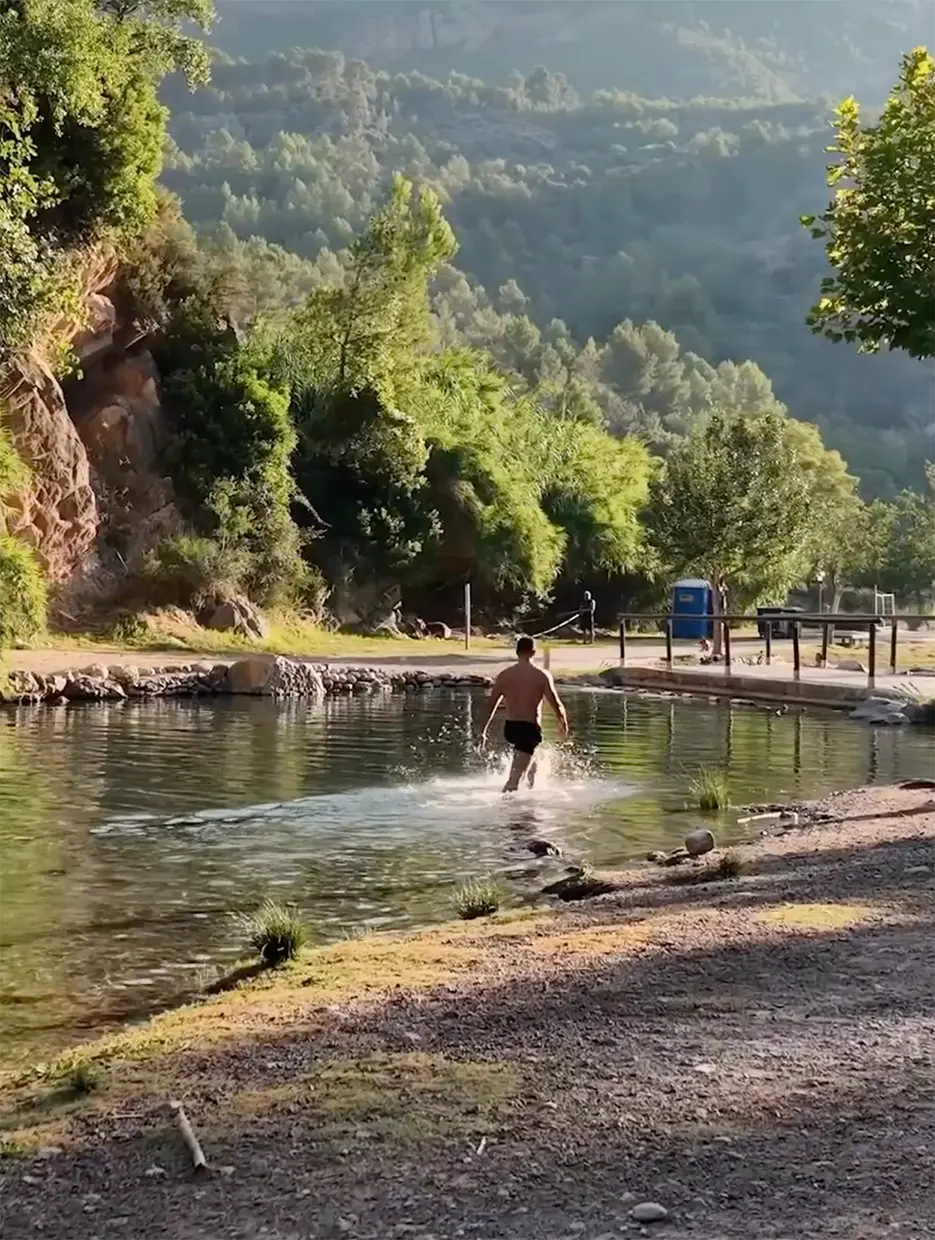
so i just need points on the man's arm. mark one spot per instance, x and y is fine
(496, 696)
(558, 706)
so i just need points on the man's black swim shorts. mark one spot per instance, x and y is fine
(522, 735)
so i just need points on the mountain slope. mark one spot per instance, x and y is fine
(613, 208)
(676, 48)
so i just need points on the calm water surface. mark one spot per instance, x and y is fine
(128, 833)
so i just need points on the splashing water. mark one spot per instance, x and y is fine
(410, 806)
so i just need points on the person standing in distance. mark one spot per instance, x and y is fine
(586, 617)
(523, 687)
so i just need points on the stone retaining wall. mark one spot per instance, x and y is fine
(255, 677)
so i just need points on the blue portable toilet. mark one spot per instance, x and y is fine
(692, 609)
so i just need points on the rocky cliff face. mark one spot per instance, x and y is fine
(97, 498)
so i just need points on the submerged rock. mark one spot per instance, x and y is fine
(581, 885)
(880, 710)
(677, 856)
(543, 848)
(921, 713)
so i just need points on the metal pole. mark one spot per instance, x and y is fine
(726, 648)
(796, 653)
(893, 640)
(467, 615)
(769, 642)
(871, 655)
(623, 643)
(824, 645)
(669, 643)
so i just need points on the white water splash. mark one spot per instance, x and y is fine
(412, 807)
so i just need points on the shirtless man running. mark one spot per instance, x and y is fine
(523, 687)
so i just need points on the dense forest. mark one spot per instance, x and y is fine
(577, 218)
(412, 332)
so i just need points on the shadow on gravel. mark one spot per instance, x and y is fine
(867, 871)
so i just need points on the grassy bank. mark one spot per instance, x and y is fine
(287, 636)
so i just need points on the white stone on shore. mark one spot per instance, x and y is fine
(649, 1212)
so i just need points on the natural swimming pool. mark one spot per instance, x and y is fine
(129, 833)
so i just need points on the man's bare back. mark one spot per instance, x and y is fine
(522, 688)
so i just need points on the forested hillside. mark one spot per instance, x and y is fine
(424, 332)
(574, 216)
(657, 48)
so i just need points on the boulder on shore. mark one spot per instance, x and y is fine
(235, 615)
(699, 842)
(274, 678)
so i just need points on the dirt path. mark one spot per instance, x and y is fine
(754, 1055)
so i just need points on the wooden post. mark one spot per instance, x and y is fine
(796, 652)
(824, 644)
(726, 647)
(769, 641)
(623, 643)
(893, 641)
(871, 655)
(467, 615)
(669, 643)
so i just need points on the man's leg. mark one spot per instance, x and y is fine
(520, 765)
(531, 773)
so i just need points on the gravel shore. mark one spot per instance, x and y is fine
(752, 1056)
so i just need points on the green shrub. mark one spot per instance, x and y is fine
(710, 789)
(234, 441)
(128, 629)
(187, 571)
(23, 597)
(275, 931)
(478, 899)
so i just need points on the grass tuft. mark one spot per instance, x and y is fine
(727, 865)
(710, 789)
(477, 899)
(82, 1079)
(276, 932)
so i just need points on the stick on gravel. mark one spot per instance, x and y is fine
(188, 1133)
